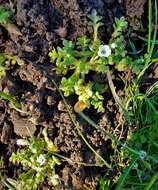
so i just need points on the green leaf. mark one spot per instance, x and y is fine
(98, 87)
(53, 55)
(101, 65)
(120, 23)
(97, 101)
(96, 23)
(67, 85)
(94, 17)
(138, 65)
(125, 174)
(67, 60)
(2, 58)
(83, 67)
(2, 72)
(5, 15)
(84, 92)
(124, 64)
(119, 26)
(10, 98)
(68, 46)
(83, 42)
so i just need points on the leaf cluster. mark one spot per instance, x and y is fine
(5, 15)
(34, 171)
(7, 62)
(76, 62)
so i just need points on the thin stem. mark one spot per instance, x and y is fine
(152, 181)
(150, 48)
(73, 161)
(6, 183)
(118, 142)
(78, 129)
(150, 25)
(155, 31)
(116, 97)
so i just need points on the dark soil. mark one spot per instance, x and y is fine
(43, 24)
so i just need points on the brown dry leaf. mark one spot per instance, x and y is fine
(79, 106)
(12, 29)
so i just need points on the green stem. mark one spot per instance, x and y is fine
(116, 97)
(102, 130)
(154, 60)
(95, 36)
(125, 174)
(152, 181)
(150, 46)
(73, 161)
(150, 25)
(4, 181)
(155, 30)
(78, 129)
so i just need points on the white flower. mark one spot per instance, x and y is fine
(22, 142)
(113, 45)
(90, 93)
(142, 154)
(41, 159)
(54, 180)
(104, 51)
(76, 88)
(80, 98)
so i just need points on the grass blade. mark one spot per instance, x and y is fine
(152, 181)
(124, 176)
(155, 31)
(150, 26)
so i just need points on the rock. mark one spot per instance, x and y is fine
(7, 131)
(156, 72)
(24, 128)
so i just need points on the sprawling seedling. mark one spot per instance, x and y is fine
(76, 62)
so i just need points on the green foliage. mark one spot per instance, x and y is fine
(119, 26)
(144, 107)
(7, 62)
(5, 15)
(138, 172)
(76, 61)
(2, 65)
(12, 100)
(38, 162)
(142, 174)
(95, 22)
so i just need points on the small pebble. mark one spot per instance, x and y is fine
(50, 100)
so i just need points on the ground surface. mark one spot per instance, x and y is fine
(43, 24)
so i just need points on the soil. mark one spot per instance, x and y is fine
(43, 24)
(134, 11)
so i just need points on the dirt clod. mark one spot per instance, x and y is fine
(22, 127)
(134, 11)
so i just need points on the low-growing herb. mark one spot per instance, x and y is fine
(76, 62)
(38, 162)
